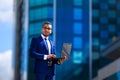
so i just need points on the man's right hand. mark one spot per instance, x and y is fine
(51, 56)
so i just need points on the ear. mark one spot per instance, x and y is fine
(51, 32)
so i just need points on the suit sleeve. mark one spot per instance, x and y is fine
(33, 50)
(55, 61)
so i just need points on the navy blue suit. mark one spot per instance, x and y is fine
(38, 49)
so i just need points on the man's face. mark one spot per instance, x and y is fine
(46, 30)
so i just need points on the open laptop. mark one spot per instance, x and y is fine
(66, 49)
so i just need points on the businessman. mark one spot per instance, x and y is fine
(42, 49)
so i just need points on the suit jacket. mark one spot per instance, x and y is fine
(37, 50)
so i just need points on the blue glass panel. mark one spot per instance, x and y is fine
(39, 2)
(111, 1)
(78, 2)
(95, 13)
(111, 28)
(44, 1)
(103, 5)
(31, 2)
(118, 75)
(40, 13)
(50, 12)
(118, 6)
(118, 20)
(102, 47)
(50, 1)
(94, 1)
(118, 34)
(95, 27)
(77, 57)
(77, 43)
(95, 41)
(44, 13)
(95, 55)
(111, 14)
(37, 14)
(31, 15)
(37, 28)
(78, 28)
(34, 28)
(104, 34)
(103, 20)
(110, 40)
(31, 26)
(34, 2)
(78, 14)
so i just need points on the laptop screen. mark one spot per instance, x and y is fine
(66, 49)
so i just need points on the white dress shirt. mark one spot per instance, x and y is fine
(49, 46)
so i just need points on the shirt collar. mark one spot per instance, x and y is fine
(44, 36)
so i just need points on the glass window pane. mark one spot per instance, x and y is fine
(95, 13)
(78, 2)
(104, 34)
(78, 42)
(95, 42)
(103, 5)
(78, 14)
(111, 28)
(102, 47)
(50, 12)
(78, 28)
(31, 15)
(77, 57)
(95, 55)
(111, 14)
(103, 20)
(95, 27)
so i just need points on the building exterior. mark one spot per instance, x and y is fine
(39, 12)
(21, 49)
(70, 25)
(18, 7)
(73, 22)
(105, 29)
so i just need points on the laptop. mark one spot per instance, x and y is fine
(66, 49)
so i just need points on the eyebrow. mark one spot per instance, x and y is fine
(46, 27)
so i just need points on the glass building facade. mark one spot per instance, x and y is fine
(39, 12)
(105, 29)
(21, 37)
(70, 25)
(73, 22)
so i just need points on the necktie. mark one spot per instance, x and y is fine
(47, 45)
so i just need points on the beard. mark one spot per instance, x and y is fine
(46, 35)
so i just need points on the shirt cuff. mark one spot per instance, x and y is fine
(45, 57)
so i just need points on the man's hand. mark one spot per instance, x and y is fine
(61, 60)
(51, 56)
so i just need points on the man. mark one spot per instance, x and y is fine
(43, 50)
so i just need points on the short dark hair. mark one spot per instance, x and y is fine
(47, 22)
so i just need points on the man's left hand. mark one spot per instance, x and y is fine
(61, 60)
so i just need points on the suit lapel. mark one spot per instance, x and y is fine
(51, 46)
(44, 43)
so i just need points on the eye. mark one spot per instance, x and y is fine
(46, 28)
